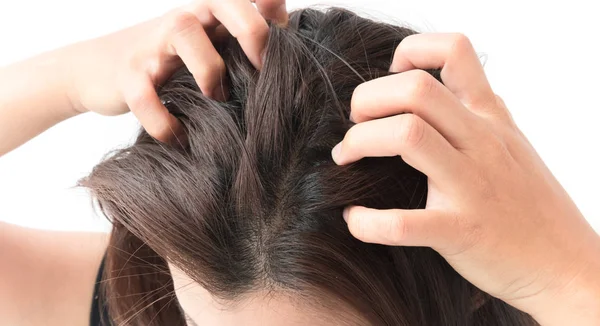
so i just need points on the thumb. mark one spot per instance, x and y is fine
(401, 227)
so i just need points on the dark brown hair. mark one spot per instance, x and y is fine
(255, 201)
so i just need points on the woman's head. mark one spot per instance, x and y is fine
(244, 225)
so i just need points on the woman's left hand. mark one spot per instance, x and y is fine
(494, 210)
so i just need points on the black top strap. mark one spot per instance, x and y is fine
(99, 313)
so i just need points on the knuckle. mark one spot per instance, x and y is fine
(409, 39)
(181, 21)
(139, 99)
(423, 84)
(511, 123)
(133, 62)
(154, 64)
(496, 148)
(410, 131)
(499, 100)
(503, 112)
(460, 43)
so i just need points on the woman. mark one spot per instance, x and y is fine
(493, 210)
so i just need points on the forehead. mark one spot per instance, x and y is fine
(259, 309)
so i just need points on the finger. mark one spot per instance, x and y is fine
(274, 10)
(418, 92)
(189, 41)
(244, 22)
(461, 72)
(401, 227)
(202, 11)
(144, 103)
(419, 144)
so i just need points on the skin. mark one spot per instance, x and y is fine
(256, 309)
(47, 277)
(494, 210)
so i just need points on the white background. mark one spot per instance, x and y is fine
(542, 58)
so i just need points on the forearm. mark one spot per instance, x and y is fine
(577, 300)
(34, 96)
(581, 308)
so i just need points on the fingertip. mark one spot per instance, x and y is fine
(351, 117)
(164, 127)
(274, 11)
(361, 224)
(336, 153)
(258, 63)
(350, 210)
(168, 130)
(254, 43)
(281, 16)
(220, 92)
(255, 50)
(346, 213)
(243, 22)
(263, 55)
(178, 135)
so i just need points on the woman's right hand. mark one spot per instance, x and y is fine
(494, 210)
(119, 72)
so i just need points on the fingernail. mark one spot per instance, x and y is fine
(336, 151)
(345, 214)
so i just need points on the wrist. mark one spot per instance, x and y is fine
(575, 298)
(34, 97)
(54, 71)
(69, 66)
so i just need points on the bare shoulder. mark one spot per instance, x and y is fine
(47, 277)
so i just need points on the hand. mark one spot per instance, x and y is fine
(120, 72)
(494, 210)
